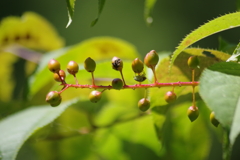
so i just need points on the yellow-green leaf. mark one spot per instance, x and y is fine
(31, 31)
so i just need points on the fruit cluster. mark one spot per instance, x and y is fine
(150, 60)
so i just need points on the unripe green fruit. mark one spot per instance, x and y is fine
(151, 59)
(143, 104)
(53, 65)
(170, 97)
(117, 83)
(137, 65)
(72, 67)
(62, 75)
(90, 64)
(95, 96)
(193, 62)
(213, 120)
(117, 63)
(53, 98)
(193, 113)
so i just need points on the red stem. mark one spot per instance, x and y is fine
(66, 86)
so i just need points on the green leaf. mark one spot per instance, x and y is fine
(219, 24)
(70, 7)
(220, 90)
(100, 48)
(149, 5)
(236, 55)
(100, 8)
(16, 128)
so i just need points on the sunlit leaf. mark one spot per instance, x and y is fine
(100, 8)
(219, 24)
(149, 5)
(70, 7)
(16, 128)
(31, 30)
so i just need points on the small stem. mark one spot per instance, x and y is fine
(193, 96)
(193, 75)
(193, 89)
(93, 81)
(145, 96)
(123, 78)
(75, 79)
(61, 78)
(85, 131)
(154, 73)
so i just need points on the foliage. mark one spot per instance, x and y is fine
(115, 128)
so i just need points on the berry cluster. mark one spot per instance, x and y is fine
(150, 60)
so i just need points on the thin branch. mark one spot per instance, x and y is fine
(85, 131)
(179, 84)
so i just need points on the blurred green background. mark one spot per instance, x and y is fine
(124, 19)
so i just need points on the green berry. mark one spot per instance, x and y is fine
(72, 67)
(193, 113)
(62, 75)
(117, 63)
(95, 96)
(117, 83)
(193, 62)
(143, 104)
(213, 119)
(53, 98)
(151, 59)
(137, 65)
(90, 64)
(53, 65)
(170, 97)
